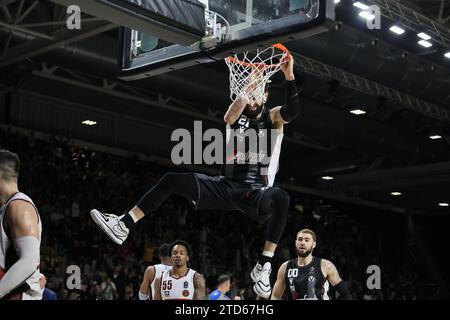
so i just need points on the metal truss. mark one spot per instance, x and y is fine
(441, 17)
(437, 8)
(413, 20)
(42, 36)
(370, 88)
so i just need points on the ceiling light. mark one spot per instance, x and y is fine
(447, 55)
(397, 30)
(358, 112)
(424, 36)
(424, 43)
(443, 204)
(366, 15)
(435, 137)
(360, 5)
(327, 178)
(337, 1)
(396, 193)
(89, 122)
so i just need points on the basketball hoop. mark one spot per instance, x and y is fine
(217, 30)
(250, 72)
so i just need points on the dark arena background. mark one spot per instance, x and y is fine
(90, 101)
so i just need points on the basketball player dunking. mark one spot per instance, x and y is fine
(180, 282)
(147, 289)
(245, 187)
(20, 236)
(307, 277)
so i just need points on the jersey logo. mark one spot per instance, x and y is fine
(186, 285)
(311, 278)
(243, 123)
(185, 293)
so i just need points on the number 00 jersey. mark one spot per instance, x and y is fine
(177, 289)
(306, 282)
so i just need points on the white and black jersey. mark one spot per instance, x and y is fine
(249, 163)
(159, 270)
(306, 282)
(177, 288)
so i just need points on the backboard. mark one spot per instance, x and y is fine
(181, 21)
(233, 26)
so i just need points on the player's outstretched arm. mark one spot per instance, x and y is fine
(199, 287)
(280, 284)
(23, 224)
(144, 290)
(291, 109)
(335, 280)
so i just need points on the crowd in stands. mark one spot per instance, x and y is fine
(67, 181)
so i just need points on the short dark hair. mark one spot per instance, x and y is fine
(9, 165)
(183, 243)
(223, 278)
(308, 231)
(164, 250)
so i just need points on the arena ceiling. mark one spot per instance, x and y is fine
(436, 9)
(404, 90)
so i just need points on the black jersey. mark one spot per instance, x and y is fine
(306, 282)
(251, 163)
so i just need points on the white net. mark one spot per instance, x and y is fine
(250, 71)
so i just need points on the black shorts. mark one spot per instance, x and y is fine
(221, 193)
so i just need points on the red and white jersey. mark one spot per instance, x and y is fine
(177, 289)
(159, 270)
(8, 255)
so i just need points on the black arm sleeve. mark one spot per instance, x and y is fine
(291, 109)
(342, 288)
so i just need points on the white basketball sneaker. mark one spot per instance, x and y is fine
(111, 225)
(261, 276)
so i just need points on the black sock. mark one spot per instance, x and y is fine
(128, 220)
(263, 259)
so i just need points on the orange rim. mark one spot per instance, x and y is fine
(260, 65)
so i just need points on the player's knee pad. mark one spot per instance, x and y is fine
(280, 197)
(177, 180)
(281, 201)
(275, 202)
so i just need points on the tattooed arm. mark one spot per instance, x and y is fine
(199, 287)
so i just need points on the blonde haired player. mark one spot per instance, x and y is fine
(308, 277)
